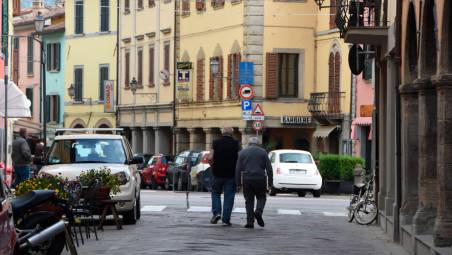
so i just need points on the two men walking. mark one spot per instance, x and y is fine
(228, 163)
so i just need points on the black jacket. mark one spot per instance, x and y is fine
(255, 165)
(225, 154)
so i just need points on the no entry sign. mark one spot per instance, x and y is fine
(246, 92)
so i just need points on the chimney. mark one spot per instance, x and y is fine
(38, 3)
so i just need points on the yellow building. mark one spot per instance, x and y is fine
(90, 53)
(301, 78)
(147, 42)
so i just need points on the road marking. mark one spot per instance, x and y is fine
(239, 210)
(199, 209)
(332, 214)
(153, 208)
(289, 212)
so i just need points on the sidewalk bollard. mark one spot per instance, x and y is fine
(359, 174)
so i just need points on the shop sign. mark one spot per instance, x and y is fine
(297, 120)
(184, 65)
(366, 110)
(109, 93)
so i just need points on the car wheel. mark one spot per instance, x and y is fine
(138, 207)
(316, 193)
(131, 216)
(272, 192)
(301, 193)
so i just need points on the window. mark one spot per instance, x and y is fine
(332, 14)
(166, 63)
(16, 7)
(185, 7)
(334, 67)
(217, 3)
(288, 75)
(216, 79)
(200, 80)
(104, 15)
(103, 76)
(78, 16)
(30, 60)
(127, 69)
(151, 66)
(200, 5)
(53, 108)
(53, 57)
(126, 6)
(295, 158)
(140, 4)
(151, 3)
(16, 60)
(140, 67)
(233, 75)
(272, 157)
(78, 84)
(29, 95)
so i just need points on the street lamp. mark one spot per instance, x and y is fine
(71, 91)
(39, 23)
(133, 85)
(319, 3)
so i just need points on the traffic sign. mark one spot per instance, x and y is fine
(247, 105)
(258, 110)
(246, 73)
(258, 125)
(246, 115)
(246, 92)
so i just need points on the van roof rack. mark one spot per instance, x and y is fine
(62, 131)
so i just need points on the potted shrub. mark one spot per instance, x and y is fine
(337, 172)
(101, 180)
(47, 182)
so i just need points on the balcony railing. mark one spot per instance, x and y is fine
(325, 107)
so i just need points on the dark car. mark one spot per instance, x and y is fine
(7, 230)
(146, 157)
(178, 174)
(154, 174)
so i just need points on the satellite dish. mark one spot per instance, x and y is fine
(356, 59)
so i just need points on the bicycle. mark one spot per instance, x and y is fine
(362, 206)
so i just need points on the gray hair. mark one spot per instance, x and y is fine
(227, 131)
(254, 140)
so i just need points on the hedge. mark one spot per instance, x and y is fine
(338, 167)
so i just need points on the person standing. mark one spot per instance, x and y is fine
(223, 157)
(257, 170)
(21, 157)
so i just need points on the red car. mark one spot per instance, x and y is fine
(154, 174)
(7, 230)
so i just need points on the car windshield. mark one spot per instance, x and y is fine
(87, 151)
(153, 161)
(295, 158)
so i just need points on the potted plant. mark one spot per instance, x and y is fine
(47, 182)
(101, 180)
(337, 172)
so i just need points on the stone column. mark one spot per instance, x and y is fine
(209, 138)
(428, 195)
(137, 142)
(193, 138)
(442, 231)
(158, 139)
(181, 141)
(383, 172)
(409, 152)
(148, 140)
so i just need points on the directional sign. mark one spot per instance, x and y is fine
(258, 125)
(246, 73)
(246, 92)
(247, 105)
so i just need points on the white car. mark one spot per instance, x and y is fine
(201, 165)
(69, 155)
(294, 171)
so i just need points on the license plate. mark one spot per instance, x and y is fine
(297, 171)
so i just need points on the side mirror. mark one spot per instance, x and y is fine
(137, 161)
(38, 161)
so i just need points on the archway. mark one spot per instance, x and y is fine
(429, 38)
(411, 45)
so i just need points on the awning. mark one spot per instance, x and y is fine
(323, 131)
(18, 104)
(362, 121)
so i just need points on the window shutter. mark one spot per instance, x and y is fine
(229, 81)
(140, 4)
(151, 3)
(185, 7)
(220, 78)
(78, 84)
(236, 75)
(140, 68)
(332, 14)
(200, 5)
(210, 80)
(49, 54)
(151, 67)
(126, 6)
(200, 80)
(127, 70)
(57, 56)
(57, 108)
(272, 76)
(47, 110)
(167, 59)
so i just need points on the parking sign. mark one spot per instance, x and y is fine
(247, 105)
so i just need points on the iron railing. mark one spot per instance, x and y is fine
(325, 107)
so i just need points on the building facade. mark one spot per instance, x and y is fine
(300, 75)
(90, 60)
(147, 56)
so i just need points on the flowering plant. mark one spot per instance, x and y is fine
(104, 176)
(46, 182)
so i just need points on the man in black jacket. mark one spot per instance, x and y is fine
(257, 170)
(21, 157)
(223, 157)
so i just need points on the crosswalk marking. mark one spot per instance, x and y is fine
(153, 208)
(199, 209)
(289, 212)
(239, 210)
(332, 214)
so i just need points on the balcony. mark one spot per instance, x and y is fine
(325, 107)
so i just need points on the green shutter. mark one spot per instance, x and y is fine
(49, 54)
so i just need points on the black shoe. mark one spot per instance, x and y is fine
(249, 225)
(215, 219)
(259, 219)
(227, 224)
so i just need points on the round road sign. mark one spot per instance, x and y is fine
(258, 125)
(246, 92)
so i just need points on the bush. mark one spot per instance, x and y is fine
(338, 167)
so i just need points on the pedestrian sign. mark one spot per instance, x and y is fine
(246, 92)
(258, 113)
(246, 73)
(247, 105)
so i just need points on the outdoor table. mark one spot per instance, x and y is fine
(110, 205)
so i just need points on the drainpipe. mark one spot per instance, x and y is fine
(157, 52)
(117, 62)
(175, 45)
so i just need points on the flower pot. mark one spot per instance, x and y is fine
(102, 193)
(332, 186)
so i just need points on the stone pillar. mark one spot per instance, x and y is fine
(209, 138)
(181, 140)
(193, 138)
(409, 152)
(148, 140)
(137, 140)
(383, 172)
(428, 195)
(158, 139)
(442, 231)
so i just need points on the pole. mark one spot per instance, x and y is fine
(44, 95)
(5, 27)
(117, 62)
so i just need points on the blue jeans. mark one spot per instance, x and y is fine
(228, 186)
(21, 173)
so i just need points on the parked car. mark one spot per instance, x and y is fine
(295, 171)
(154, 174)
(200, 173)
(177, 176)
(7, 230)
(71, 154)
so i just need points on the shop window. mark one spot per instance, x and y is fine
(233, 75)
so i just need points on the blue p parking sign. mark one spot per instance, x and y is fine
(247, 105)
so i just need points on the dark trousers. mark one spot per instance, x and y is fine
(228, 186)
(252, 189)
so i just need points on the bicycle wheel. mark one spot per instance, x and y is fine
(351, 208)
(366, 212)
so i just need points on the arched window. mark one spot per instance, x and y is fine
(411, 39)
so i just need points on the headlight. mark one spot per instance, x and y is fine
(123, 177)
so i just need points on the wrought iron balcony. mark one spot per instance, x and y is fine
(325, 107)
